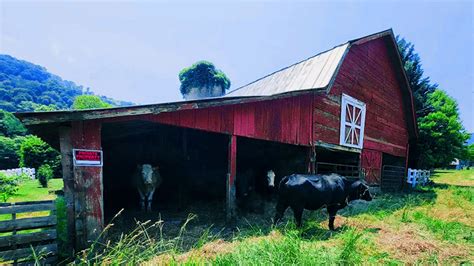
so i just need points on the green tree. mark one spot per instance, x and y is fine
(34, 152)
(470, 152)
(442, 135)
(9, 150)
(203, 79)
(89, 102)
(421, 86)
(9, 125)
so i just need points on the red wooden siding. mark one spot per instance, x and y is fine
(367, 74)
(286, 120)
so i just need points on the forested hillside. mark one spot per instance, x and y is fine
(28, 87)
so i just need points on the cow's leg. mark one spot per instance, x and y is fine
(149, 199)
(298, 214)
(280, 210)
(332, 210)
(142, 200)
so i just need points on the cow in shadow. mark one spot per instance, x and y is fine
(146, 180)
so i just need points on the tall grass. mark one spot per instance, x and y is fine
(141, 244)
(61, 227)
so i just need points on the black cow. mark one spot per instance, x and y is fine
(313, 192)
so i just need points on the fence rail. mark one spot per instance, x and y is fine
(19, 237)
(418, 177)
(350, 171)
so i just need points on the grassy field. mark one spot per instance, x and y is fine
(434, 224)
(31, 190)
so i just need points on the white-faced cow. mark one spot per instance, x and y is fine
(252, 188)
(313, 192)
(146, 179)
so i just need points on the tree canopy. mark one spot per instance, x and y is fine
(420, 85)
(203, 79)
(89, 102)
(441, 134)
(10, 126)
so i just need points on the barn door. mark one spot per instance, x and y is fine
(371, 164)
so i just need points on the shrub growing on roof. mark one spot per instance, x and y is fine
(203, 79)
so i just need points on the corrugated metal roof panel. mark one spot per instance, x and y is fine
(313, 73)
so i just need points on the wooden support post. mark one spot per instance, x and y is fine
(68, 179)
(231, 175)
(89, 211)
(312, 160)
(402, 186)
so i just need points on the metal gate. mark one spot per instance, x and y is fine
(392, 177)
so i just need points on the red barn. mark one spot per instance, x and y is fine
(347, 110)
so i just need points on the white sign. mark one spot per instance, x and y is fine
(87, 157)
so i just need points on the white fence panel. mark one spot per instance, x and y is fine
(418, 177)
(31, 172)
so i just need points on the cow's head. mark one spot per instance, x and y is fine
(147, 173)
(271, 178)
(362, 191)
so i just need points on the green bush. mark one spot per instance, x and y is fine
(8, 186)
(44, 174)
(9, 153)
(34, 152)
(61, 227)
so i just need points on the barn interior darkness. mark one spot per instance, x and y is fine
(256, 157)
(192, 164)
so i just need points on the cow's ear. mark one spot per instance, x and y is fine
(156, 168)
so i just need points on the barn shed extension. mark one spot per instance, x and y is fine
(347, 110)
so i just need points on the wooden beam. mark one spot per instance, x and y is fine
(336, 147)
(231, 175)
(37, 118)
(68, 180)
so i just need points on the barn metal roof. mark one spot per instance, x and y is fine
(316, 72)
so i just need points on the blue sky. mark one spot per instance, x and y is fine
(135, 50)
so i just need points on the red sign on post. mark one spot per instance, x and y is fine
(87, 157)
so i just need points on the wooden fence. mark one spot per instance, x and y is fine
(349, 171)
(20, 236)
